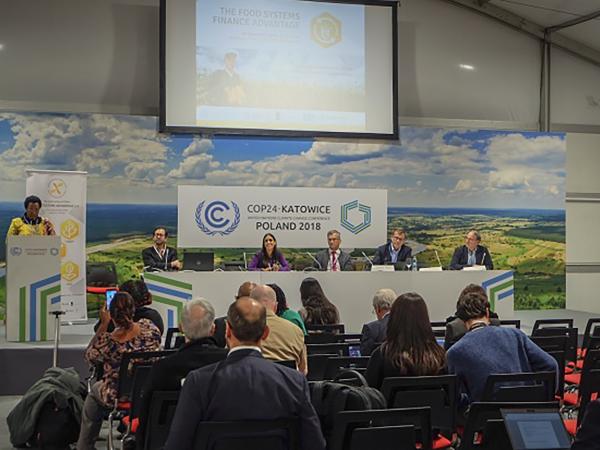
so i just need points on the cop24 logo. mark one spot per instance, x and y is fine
(217, 217)
(16, 251)
(355, 226)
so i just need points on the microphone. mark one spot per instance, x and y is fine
(245, 262)
(438, 257)
(241, 269)
(367, 258)
(483, 258)
(315, 260)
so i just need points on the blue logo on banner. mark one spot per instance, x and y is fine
(366, 217)
(16, 251)
(217, 217)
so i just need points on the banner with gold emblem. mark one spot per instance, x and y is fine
(64, 197)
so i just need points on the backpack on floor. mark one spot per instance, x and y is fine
(331, 397)
(55, 428)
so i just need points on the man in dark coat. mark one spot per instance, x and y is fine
(471, 254)
(373, 333)
(394, 251)
(245, 386)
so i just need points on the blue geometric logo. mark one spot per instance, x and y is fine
(217, 218)
(16, 251)
(366, 217)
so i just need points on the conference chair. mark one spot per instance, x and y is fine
(160, 417)
(520, 387)
(174, 338)
(588, 389)
(287, 363)
(555, 346)
(592, 328)
(439, 329)
(334, 364)
(138, 385)
(316, 366)
(101, 277)
(436, 392)
(511, 323)
(281, 434)
(485, 428)
(323, 338)
(571, 334)
(338, 348)
(553, 323)
(382, 429)
(331, 328)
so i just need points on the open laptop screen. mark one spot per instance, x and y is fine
(535, 429)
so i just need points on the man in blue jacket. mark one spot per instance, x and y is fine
(471, 254)
(245, 386)
(487, 350)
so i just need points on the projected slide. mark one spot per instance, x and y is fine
(280, 64)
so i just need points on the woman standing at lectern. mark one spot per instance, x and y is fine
(31, 223)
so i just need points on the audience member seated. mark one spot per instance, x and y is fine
(455, 327)
(588, 435)
(284, 311)
(245, 386)
(410, 348)
(141, 297)
(285, 341)
(486, 350)
(200, 349)
(373, 333)
(243, 291)
(316, 308)
(107, 348)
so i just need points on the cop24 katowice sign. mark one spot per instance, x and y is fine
(217, 216)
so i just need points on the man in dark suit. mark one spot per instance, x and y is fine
(471, 254)
(200, 349)
(159, 256)
(333, 259)
(373, 333)
(588, 435)
(394, 251)
(245, 386)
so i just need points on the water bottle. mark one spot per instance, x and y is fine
(414, 266)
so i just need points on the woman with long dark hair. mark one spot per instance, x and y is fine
(410, 347)
(316, 307)
(284, 311)
(269, 258)
(107, 348)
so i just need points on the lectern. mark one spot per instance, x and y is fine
(32, 287)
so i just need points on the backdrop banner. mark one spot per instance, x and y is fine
(217, 216)
(64, 196)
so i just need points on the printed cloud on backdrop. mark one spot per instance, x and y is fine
(128, 161)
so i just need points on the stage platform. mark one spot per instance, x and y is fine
(21, 364)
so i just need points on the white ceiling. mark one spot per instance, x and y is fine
(549, 13)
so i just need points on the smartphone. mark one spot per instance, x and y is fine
(109, 296)
(354, 350)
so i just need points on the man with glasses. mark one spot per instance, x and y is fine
(471, 254)
(395, 251)
(333, 258)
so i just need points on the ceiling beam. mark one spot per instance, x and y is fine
(575, 21)
(531, 28)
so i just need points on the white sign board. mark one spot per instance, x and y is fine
(64, 198)
(217, 216)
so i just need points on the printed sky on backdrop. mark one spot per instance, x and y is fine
(129, 162)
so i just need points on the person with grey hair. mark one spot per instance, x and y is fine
(333, 259)
(285, 341)
(200, 349)
(373, 333)
(471, 254)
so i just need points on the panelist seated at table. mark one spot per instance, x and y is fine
(31, 223)
(333, 259)
(395, 251)
(269, 259)
(471, 254)
(159, 256)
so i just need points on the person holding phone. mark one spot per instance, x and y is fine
(269, 259)
(31, 223)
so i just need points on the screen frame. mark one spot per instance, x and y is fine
(263, 132)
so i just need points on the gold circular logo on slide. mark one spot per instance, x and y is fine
(57, 187)
(326, 30)
(69, 229)
(69, 271)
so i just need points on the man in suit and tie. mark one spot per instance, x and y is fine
(471, 254)
(333, 258)
(373, 333)
(245, 386)
(394, 251)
